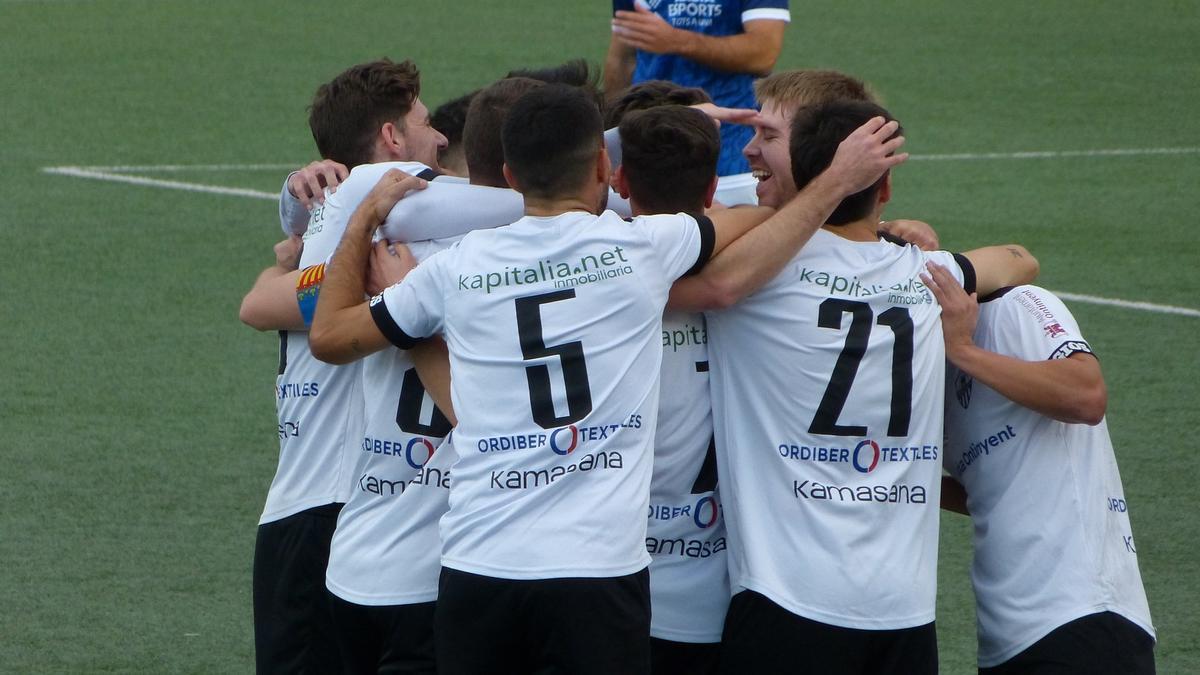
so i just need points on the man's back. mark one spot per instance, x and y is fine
(827, 390)
(553, 329)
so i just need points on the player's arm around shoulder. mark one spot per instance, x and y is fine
(754, 258)
(271, 302)
(998, 267)
(344, 328)
(1069, 389)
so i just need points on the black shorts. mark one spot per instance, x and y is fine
(385, 639)
(668, 657)
(575, 625)
(762, 637)
(1097, 644)
(293, 621)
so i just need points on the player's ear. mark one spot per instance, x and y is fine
(509, 178)
(392, 139)
(619, 182)
(708, 194)
(885, 190)
(603, 167)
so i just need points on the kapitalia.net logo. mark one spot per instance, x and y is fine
(864, 457)
(607, 264)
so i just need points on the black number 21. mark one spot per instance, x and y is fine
(896, 318)
(574, 367)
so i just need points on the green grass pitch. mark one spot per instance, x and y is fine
(136, 424)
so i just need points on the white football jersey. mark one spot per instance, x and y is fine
(319, 408)
(827, 390)
(320, 432)
(386, 550)
(553, 326)
(736, 189)
(1052, 535)
(685, 534)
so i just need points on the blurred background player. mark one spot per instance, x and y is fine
(731, 190)
(719, 46)
(449, 119)
(1055, 570)
(827, 398)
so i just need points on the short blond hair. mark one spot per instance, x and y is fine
(794, 89)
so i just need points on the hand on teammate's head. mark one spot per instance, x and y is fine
(866, 154)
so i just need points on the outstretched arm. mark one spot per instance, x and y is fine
(752, 260)
(998, 267)
(1069, 390)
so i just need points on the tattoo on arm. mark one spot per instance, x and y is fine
(1015, 253)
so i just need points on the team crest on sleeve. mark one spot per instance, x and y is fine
(963, 384)
(307, 289)
(1054, 330)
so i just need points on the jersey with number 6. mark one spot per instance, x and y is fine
(1052, 535)
(385, 550)
(827, 406)
(553, 326)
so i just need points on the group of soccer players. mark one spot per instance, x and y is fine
(618, 420)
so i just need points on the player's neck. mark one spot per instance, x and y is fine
(638, 210)
(557, 206)
(865, 229)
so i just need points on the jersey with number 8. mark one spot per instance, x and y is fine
(554, 331)
(827, 400)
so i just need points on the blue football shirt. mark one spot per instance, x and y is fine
(716, 18)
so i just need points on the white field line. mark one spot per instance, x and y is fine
(1057, 154)
(1128, 304)
(167, 168)
(116, 174)
(86, 172)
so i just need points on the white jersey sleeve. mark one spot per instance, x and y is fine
(293, 217)
(1037, 325)
(446, 209)
(683, 243)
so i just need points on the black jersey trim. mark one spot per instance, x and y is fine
(996, 295)
(388, 326)
(891, 238)
(708, 241)
(428, 174)
(1071, 347)
(283, 345)
(968, 271)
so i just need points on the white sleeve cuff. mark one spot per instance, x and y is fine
(293, 217)
(766, 13)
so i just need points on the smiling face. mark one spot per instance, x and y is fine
(421, 140)
(768, 155)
